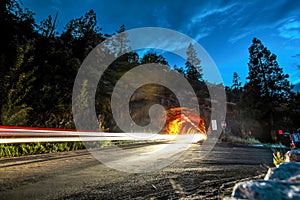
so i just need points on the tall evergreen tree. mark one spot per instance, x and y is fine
(234, 92)
(193, 67)
(267, 90)
(236, 83)
(121, 41)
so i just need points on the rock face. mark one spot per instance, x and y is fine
(182, 120)
(282, 182)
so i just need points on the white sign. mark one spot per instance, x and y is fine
(214, 125)
(223, 124)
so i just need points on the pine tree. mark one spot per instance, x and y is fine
(266, 75)
(267, 89)
(234, 92)
(193, 67)
(236, 83)
(119, 45)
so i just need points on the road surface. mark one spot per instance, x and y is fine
(78, 175)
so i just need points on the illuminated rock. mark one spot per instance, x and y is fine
(183, 121)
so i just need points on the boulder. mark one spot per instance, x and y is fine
(284, 172)
(282, 182)
(267, 189)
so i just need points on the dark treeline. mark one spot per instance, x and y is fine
(266, 103)
(38, 67)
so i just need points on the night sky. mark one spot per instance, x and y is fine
(224, 28)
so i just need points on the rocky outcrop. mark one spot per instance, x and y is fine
(282, 182)
(182, 120)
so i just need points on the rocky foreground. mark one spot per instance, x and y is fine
(282, 182)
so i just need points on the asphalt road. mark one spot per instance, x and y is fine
(78, 175)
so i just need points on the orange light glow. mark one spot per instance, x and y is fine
(174, 127)
(184, 121)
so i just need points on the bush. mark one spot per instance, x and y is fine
(239, 140)
(13, 150)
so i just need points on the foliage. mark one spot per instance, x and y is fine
(278, 158)
(13, 150)
(193, 67)
(18, 31)
(47, 26)
(236, 83)
(178, 69)
(239, 139)
(15, 111)
(266, 76)
(266, 91)
(153, 58)
(120, 43)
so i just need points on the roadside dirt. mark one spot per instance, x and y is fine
(78, 175)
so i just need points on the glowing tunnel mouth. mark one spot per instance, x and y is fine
(182, 120)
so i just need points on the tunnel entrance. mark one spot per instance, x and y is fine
(181, 120)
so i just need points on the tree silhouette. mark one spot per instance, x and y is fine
(193, 67)
(236, 83)
(154, 58)
(267, 89)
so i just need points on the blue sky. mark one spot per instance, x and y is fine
(224, 28)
